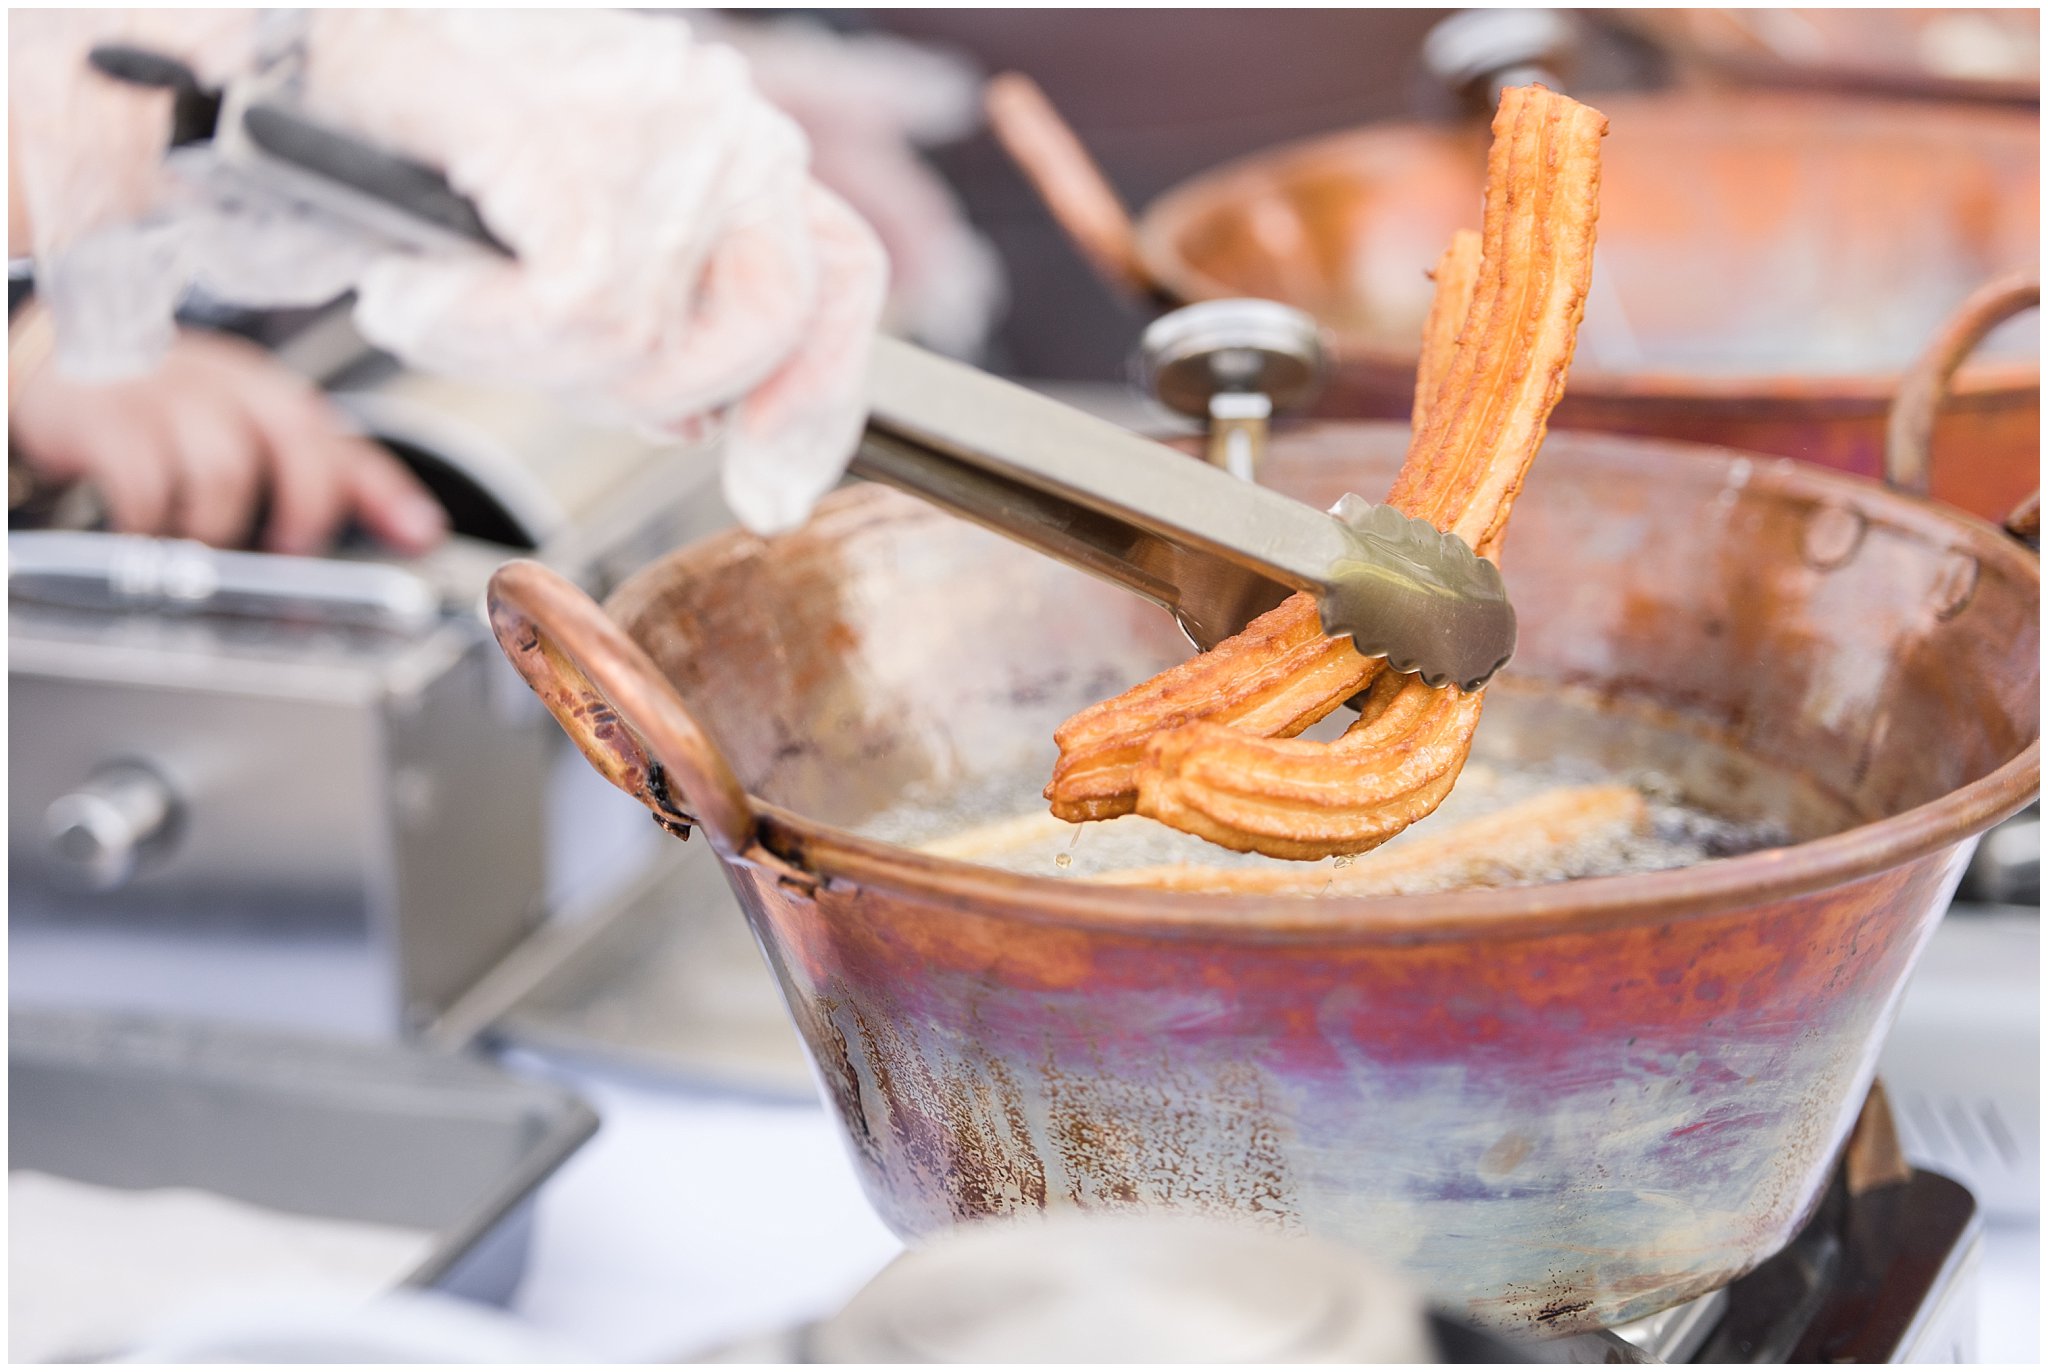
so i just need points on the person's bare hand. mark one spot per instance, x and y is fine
(219, 431)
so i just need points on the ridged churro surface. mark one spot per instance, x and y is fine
(1208, 746)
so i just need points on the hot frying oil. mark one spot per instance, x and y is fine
(1705, 799)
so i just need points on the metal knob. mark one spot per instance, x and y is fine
(99, 835)
(1475, 53)
(1234, 364)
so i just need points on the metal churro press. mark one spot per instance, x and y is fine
(1202, 540)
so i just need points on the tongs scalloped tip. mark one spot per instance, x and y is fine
(1416, 585)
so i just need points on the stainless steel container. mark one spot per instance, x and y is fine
(345, 1131)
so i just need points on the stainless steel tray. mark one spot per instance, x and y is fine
(341, 1130)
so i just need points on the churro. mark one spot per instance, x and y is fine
(1457, 277)
(1208, 746)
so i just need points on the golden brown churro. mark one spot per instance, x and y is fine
(1208, 746)
(1457, 278)
(1513, 844)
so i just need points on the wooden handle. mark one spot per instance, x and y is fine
(1049, 153)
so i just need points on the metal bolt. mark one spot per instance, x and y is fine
(1954, 585)
(1833, 535)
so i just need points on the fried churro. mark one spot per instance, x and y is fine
(1456, 275)
(1278, 676)
(1208, 747)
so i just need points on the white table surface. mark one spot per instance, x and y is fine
(694, 1220)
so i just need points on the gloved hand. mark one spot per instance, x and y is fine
(180, 434)
(673, 258)
(868, 102)
(192, 449)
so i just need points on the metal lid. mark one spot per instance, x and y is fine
(1252, 346)
(1128, 1287)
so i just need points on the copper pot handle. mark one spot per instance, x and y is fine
(611, 699)
(1909, 433)
(1070, 182)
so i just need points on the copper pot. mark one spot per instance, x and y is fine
(1767, 265)
(1946, 53)
(1559, 1107)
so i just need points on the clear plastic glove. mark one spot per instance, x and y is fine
(868, 102)
(673, 257)
(219, 431)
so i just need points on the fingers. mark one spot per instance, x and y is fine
(792, 437)
(320, 476)
(304, 456)
(308, 489)
(216, 466)
(191, 451)
(391, 502)
(317, 472)
(129, 463)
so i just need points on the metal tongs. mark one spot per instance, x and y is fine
(1213, 548)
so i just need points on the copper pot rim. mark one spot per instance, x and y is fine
(1810, 392)
(1164, 220)
(1858, 392)
(793, 846)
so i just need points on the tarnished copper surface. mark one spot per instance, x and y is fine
(1769, 263)
(1558, 1106)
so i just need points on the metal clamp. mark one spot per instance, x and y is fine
(1476, 53)
(1234, 364)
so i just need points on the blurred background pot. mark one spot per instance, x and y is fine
(1768, 264)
